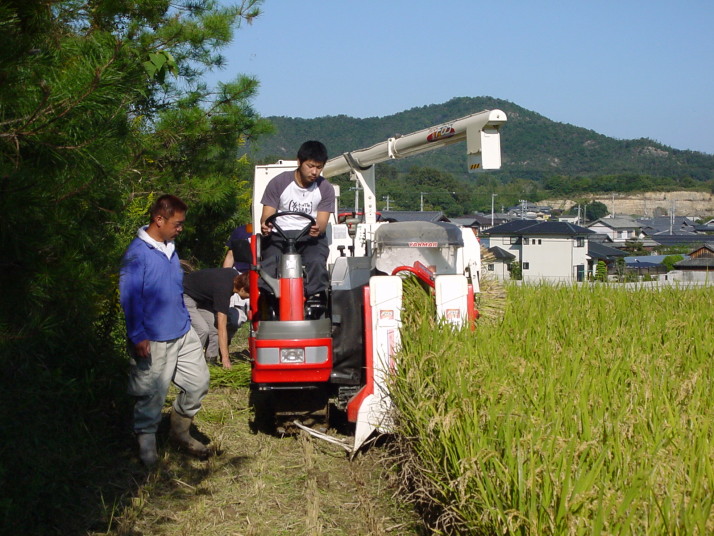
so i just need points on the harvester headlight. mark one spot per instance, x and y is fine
(292, 355)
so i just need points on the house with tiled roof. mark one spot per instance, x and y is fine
(497, 263)
(705, 228)
(699, 266)
(620, 230)
(667, 225)
(479, 222)
(693, 240)
(544, 250)
(598, 251)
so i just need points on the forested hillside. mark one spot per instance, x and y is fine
(553, 158)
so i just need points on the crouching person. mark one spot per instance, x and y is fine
(163, 344)
(209, 295)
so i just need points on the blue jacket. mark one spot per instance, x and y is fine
(151, 294)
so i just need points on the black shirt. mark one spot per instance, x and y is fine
(211, 288)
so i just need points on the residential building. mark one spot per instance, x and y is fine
(598, 251)
(496, 262)
(705, 228)
(544, 251)
(620, 230)
(479, 222)
(699, 266)
(667, 225)
(692, 240)
(646, 264)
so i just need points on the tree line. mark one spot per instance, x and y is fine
(541, 158)
(533, 147)
(102, 108)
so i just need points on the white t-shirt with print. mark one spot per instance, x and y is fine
(284, 194)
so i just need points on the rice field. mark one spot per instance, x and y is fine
(585, 410)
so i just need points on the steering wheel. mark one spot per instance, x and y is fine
(291, 238)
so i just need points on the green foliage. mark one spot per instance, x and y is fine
(620, 268)
(591, 211)
(596, 210)
(235, 377)
(516, 271)
(438, 190)
(103, 108)
(670, 260)
(634, 247)
(601, 271)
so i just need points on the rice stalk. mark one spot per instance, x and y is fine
(236, 376)
(585, 410)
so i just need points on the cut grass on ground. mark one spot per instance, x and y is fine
(259, 484)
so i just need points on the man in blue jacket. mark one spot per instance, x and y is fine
(164, 347)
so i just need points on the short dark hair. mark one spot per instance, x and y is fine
(312, 150)
(241, 282)
(166, 206)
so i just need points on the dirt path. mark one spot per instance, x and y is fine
(262, 485)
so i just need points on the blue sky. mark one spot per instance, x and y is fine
(626, 69)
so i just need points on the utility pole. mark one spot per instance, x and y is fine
(357, 191)
(387, 198)
(613, 205)
(492, 198)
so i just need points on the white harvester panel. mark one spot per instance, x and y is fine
(386, 304)
(470, 257)
(435, 245)
(339, 241)
(263, 175)
(452, 293)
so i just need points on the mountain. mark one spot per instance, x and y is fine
(532, 146)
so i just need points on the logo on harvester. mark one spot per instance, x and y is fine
(386, 314)
(423, 244)
(444, 131)
(453, 314)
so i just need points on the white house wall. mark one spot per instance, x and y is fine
(616, 235)
(549, 258)
(497, 269)
(553, 258)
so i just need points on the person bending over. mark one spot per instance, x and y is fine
(207, 295)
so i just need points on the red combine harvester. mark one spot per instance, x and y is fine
(312, 359)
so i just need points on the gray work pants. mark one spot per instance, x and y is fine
(204, 322)
(313, 252)
(179, 361)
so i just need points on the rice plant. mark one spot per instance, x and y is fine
(585, 411)
(235, 377)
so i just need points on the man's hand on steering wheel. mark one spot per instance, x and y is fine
(314, 230)
(311, 228)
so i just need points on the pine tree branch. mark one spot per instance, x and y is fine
(72, 104)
